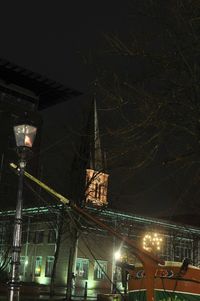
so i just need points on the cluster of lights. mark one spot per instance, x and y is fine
(152, 242)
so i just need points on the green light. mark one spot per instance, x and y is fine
(43, 280)
(91, 284)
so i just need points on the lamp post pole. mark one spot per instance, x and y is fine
(24, 135)
(17, 234)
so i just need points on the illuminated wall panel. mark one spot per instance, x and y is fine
(96, 187)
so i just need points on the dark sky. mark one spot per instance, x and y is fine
(53, 38)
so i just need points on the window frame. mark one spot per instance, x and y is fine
(38, 274)
(49, 260)
(100, 268)
(82, 262)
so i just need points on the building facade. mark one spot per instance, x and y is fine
(94, 256)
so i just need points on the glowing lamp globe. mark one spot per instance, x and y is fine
(25, 135)
(117, 255)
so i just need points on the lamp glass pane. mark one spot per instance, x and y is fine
(25, 135)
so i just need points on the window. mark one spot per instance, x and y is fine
(51, 236)
(189, 253)
(22, 265)
(100, 268)
(24, 237)
(49, 266)
(101, 191)
(39, 237)
(177, 251)
(82, 268)
(31, 237)
(38, 266)
(96, 190)
(118, 274)
(3, 234)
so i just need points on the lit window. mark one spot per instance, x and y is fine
(22, 265)
(38, 266)
(100, 269)
(49, 266)
(82, 268)
(118, 274)
(96, 190)
(9, 264)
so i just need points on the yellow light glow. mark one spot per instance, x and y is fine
(152, 242)
(117, 255)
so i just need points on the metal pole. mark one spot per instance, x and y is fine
(26, 249)
(113, 278)
(69, 275)
(14, 283)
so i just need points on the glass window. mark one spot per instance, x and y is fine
(31, 237)
(100, 269)
(177, 251)
(49, 266)
(51, 236)
(96, 190)
(39, 236)
(189, 253)
(24, 237)
(22, 264)
(5, 236)
(82, 268)
(118, 274)
(38, 266)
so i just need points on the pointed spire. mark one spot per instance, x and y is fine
(96, 179)
(97, 156)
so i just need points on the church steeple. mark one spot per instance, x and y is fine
(96, 178)
(96, 159)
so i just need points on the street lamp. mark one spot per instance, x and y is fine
(24, 136)
(116, 257)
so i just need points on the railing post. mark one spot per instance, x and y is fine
(85, 291)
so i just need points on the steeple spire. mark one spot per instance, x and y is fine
(97, 160)
(97, 180)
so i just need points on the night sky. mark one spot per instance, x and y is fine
(65, 41)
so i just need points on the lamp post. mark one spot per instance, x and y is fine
(24, 136)
(116, 257)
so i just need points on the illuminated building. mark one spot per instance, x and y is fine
(39, 243)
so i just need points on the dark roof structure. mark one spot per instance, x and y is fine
(48, 91)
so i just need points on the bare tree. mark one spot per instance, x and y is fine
(150, 87)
